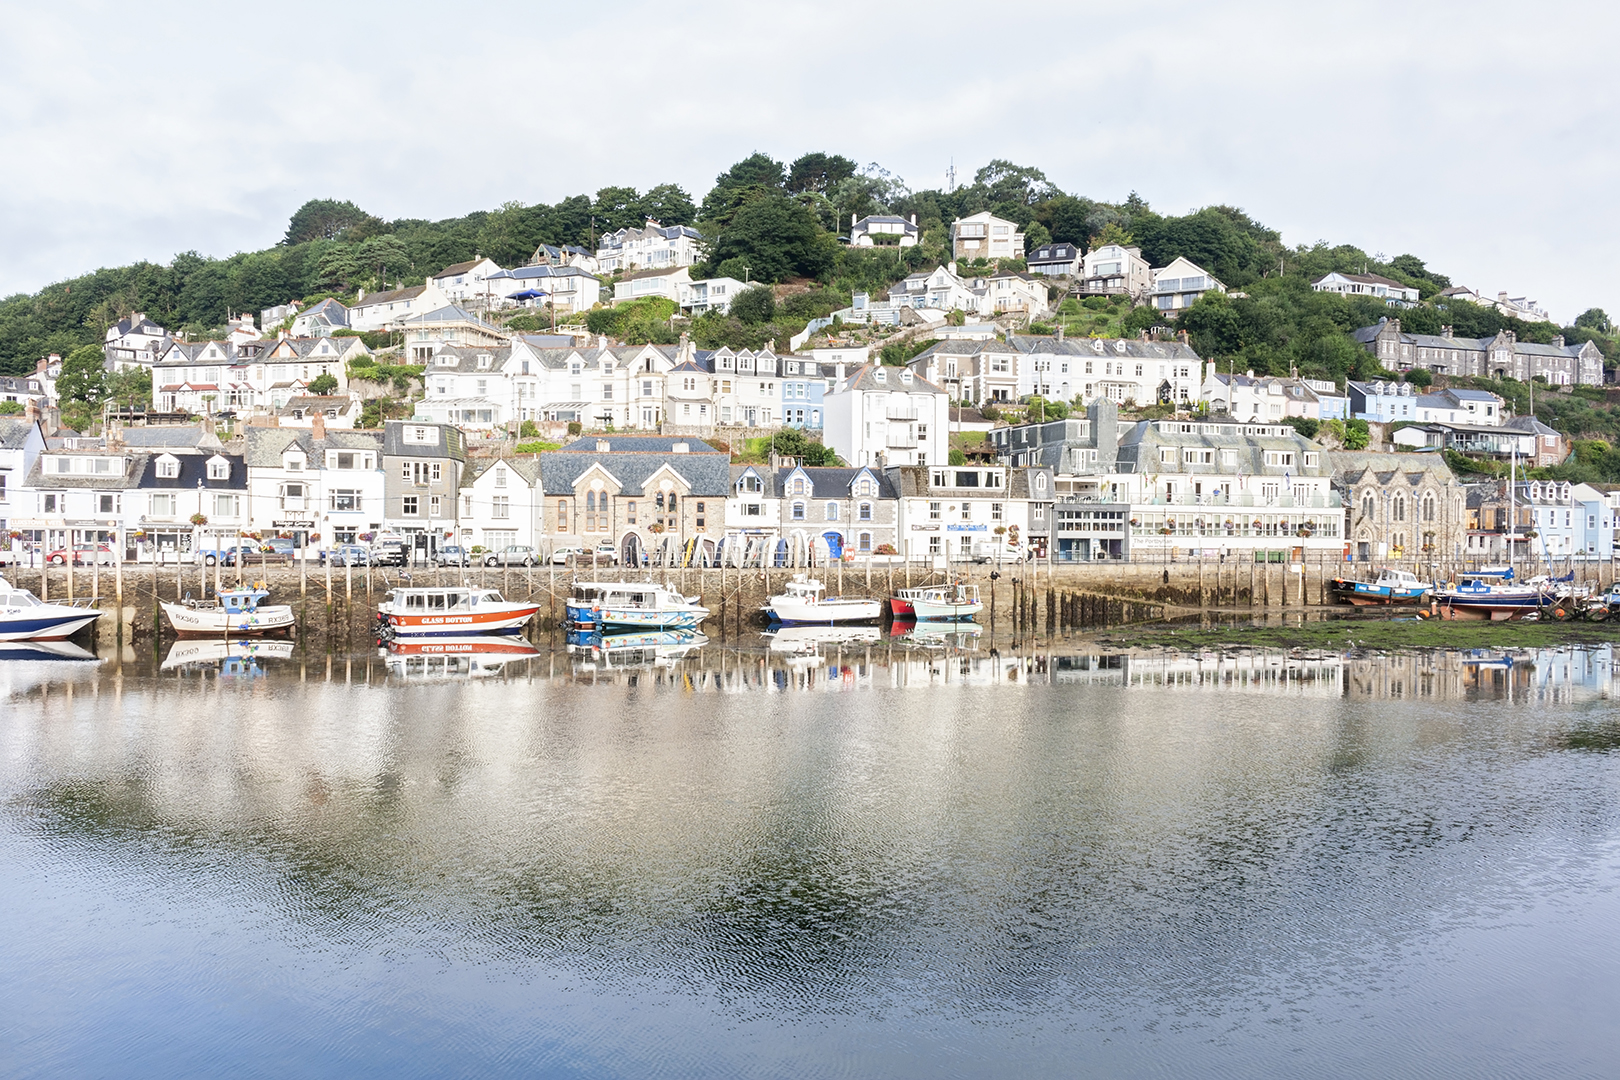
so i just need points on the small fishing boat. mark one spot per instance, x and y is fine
(801, 602)
(1389, 587)
(953, 601)
(25, 617)
(636, 605)
(449, 611)
(472, 656)
(939, 634)
(1492, 594)
(233, 613)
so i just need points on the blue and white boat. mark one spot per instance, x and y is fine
(1389, 587)
(632, 605)
(1492, 594)
(635, 648)
(241, 612)
(25, 617)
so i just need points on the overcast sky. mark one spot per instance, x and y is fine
(1479, 136)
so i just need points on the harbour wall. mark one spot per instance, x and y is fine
(338, 604)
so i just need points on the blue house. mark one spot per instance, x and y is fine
(1382, 402)
(803, 386)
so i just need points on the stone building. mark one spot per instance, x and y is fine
(1401, 506)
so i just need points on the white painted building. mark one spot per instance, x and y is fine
(985, 236)
(887, 416)
(501, 504)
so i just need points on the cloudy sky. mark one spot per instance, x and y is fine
(1479, 136)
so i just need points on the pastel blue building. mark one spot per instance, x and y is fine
(1382, 402)
(803, 388)
(1571, 521)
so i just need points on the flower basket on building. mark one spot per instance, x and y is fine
(655, 527)
(1258, 523)
(199, 519)
(884, 549)
(1165, 532)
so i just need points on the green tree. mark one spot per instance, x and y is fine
(757, 173)
(323, 384)
(956, 457)
(327, 219)
(819, 172)
(12, 408)
(1356, 435)
(778, 239)
(1420, 377)
(83, 377)
(755, 305)
(131, 388)
(668, 204)
(1595, 319)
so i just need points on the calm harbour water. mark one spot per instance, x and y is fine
(788, 859)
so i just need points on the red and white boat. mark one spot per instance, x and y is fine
(955, 601)
(458, 657)
(450, 611)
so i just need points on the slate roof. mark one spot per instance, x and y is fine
(391, 297)
(1087, 348)
(451, 442)
(450, 313)
(1055, 253)
(14, 432)
(193, 468)
(466, 359)
(706, 474)
(864, 378)
(266, 445)
(526, 467)
(133, 464)
(170, 437)
(524, 273)
(1139, 445)
(640, 444)
(830, 481)
(457, 268)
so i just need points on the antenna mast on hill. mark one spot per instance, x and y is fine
(950, 175)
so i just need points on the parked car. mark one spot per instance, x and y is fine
(227, 556)
(350, 555)
(389, 553)
(452, 555)
(283, 546)
(512, 555)
(83, 555)
(604, 555)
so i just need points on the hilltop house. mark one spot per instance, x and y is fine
(985, 236)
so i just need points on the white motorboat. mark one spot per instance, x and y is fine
(233, 613)
(954, 601)
(632, 605)
(25, 617)
(450, 612)
(802, 602)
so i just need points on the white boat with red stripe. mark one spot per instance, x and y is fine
(450, 611)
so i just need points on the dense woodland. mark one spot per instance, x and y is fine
(778, 223)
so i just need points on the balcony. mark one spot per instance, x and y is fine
(900, 440)
(900, 416)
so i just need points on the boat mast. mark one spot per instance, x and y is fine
(1513, 511)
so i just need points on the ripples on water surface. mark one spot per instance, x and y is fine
(778, 861)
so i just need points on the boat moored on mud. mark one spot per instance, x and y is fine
(1389, 587)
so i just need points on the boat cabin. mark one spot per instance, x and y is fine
(623, 594)
(434, 601)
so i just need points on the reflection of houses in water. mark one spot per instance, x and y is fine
(1316, 674)
(1578, 673)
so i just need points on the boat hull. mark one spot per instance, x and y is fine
(792, 611)
(1495, 608)
(587, 617)
(507, 619)
(901, 608)
(191, 622)
(56, 626)
(1368, 594)
(931, 609)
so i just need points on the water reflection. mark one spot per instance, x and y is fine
(813, 855)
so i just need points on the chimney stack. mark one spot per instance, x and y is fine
(1060, 332)
(317, 427)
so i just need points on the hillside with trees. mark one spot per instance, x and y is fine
(778, 223)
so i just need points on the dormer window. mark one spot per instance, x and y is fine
(751, 484)
(168, 468)
(447, 359)
(484, 361)
(220, 469)
(292, 463)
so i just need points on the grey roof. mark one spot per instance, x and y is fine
(864, 378)
(1138, 446)
(640, 444)
(391, 296)
(1087, 348)
(193, 471)
(133, 464)
(705, 474)
(525, 272)
(266, 445)
(14, 432)
(450, 313)
(964, 347)
(457, 268)
(451, 442)
(341, 402)
(831, 481)
(1527, 424)
(170, 437)
(1055, 253)
(466, 359)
